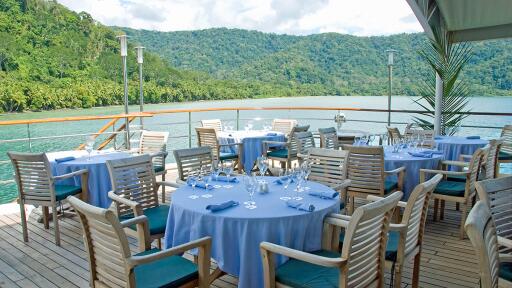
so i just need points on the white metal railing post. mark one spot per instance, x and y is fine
(438, 112)
(29, 138)
(189, 129)
(237, 119)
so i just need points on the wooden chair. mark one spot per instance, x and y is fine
(190, 160)
(111, 263)
(329, 138)
(361, 263)
(305, 141)
(405, 240)
(135, 193)
(497, 194)
(207, 137)
(212, 123)
(367, 174)
(495, 268)
(284, 126)
(394, 134)
(37, 186)
(505, 152)
(154, 143)
(426, 135)
(287, 151)
(459, 192)
(489, 165)
(329, 167)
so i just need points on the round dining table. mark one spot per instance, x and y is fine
(454, 146)
(238, 231)
(412, 165)
(252, 143)
(99, 179)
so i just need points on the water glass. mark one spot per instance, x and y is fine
(89, 146)
(250, 185)
(286, 177)
(298, 175)
(262, 163)
(192, 181)
(228, 167)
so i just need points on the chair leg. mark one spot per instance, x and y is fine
(463, 220)
(398, 275)
(46, 221)
(416, 270)
(56, 225)
(441, 214)
(163, 188)
(436, 209)
(23, 221)
(351, 205)
(159, 243)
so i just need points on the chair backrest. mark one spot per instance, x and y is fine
(293, 147)
(133, 178)
(212, 123)
(497, 194)
(106, 245)
(33, 174)
(474, 169)
(481, 232)
(154, 142)
(366, 169)
(305, 141)
(506, 136)
(329, 138)
(284, 126)
(365, 243)
(426, 135)
(491, 158)
(328, 166)
(189, 160)
(207, 137)
(394, 134)
(415, 213)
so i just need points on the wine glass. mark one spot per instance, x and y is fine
(89, 146)
(250, 187)
(307, 170)
(364, 140)
(384, 138)
(262, 165)
(371, 138)
(192, 181)
(357, 140)
(297, 176)
(286, 178)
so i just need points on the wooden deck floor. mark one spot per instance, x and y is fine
(446, 260)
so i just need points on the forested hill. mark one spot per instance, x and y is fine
(342, 64)
(51, 57)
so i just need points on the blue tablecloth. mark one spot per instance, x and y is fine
(412, 167)
(99, 179)
(252, 141)
(454, 146)
(237, 231)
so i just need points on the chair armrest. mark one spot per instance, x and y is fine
(337, 220)
(444, 172)
(159, 154)
(374, 198)
(465, 157)
(204, 243)
(180, 182)
(302, 156)
(402, 228)
(275, 142)
(230, 144)
(142, 228)
(504, 242)
(137, 210)
(69, 175)
(344, 184)
(454, 163)
(396, 171)
(505, 257)
(303, 256)
(168, 184)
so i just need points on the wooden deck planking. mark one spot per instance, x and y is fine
(446, 260)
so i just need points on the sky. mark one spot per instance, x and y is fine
(296, 17)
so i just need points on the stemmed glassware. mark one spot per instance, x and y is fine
(250, 185)
(228, 170)
(286, 178)
(298, 175)
(192, 181)
(306, 168)
(357, 140)
(371, 138)
(89, 146)
(262, 165)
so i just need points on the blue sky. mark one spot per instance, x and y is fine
(297, 17)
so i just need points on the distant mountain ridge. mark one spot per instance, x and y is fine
(341, 64)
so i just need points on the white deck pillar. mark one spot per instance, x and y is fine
(438, 105)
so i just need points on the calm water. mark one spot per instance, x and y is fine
(177, 124)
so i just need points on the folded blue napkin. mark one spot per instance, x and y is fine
(271, 134)
(222, 178)
(64, 159)
(201, 184)
(281, 180)
(433, 152)
(472, 137)
(221, 206)
(421, 154)
(324, 194)
(300, 205)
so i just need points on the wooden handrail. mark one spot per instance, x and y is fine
(112, 136)
(103, 129)
(77, 118)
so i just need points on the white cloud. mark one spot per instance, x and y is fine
(299, 17)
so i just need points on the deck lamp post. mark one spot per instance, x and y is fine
(390, 80)
(124, 54)
(140, 60)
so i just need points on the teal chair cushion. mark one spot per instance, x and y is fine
(226, 156)
(300, 274)
(280, 153)
(390, 185)
(504, 156)
(157, 218)
(158, 168)
(391, 247)
(451, 188)
(63, 191)
(506, 271)
(457, 178)
(172, 271)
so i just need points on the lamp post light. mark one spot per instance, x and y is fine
(124, 54)
(390, 80)
(140, 60)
